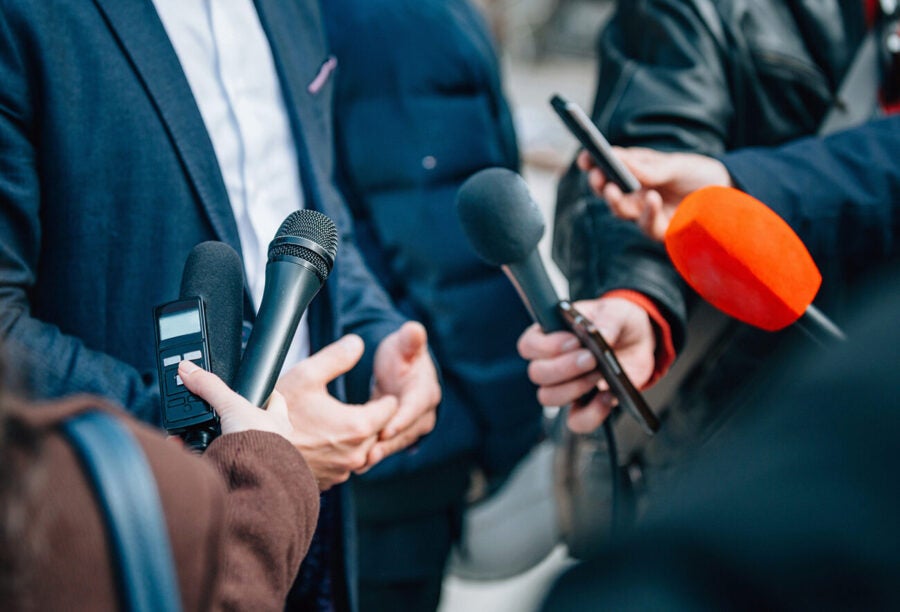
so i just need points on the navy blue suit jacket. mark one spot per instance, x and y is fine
(108, 179)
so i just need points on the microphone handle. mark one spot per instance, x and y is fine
(820, 328)
(293, 286)
(530, 279)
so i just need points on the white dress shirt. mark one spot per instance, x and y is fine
(226, 57)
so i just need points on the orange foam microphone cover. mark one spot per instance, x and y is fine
(742, 257)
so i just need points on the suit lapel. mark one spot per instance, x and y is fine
(298, 50)
(143, 39)
(296, 39)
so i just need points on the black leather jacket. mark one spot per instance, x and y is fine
(711, 76)
(705, 76)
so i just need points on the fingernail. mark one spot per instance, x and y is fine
(584, 360)
(571, 344)
(188, 367)
(349, 343)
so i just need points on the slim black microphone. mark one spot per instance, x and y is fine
(300, 259)
(505, 225)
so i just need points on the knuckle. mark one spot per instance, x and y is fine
(428, 423)
(535, 371)
(357, 460)
(358, 430)
(341, 477)
(546, 397)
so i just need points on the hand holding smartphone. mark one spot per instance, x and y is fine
(595, 143)
(619, 383)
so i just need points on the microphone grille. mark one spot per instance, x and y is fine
(308, 235)
(498, 215)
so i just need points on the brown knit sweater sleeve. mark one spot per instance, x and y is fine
(237, 539)
(273, 506)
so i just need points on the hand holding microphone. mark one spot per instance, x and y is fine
(731, 248)
(336, 439)
(565, 371)
(300, 259)
(505, 226)
(746, 261)
(235, 412)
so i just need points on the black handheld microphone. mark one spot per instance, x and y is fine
(505, 225)
(204, 326)
(300, 259)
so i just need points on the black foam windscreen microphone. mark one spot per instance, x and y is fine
(204, 326)
(301, 257)
(504, 225)
(213, 272)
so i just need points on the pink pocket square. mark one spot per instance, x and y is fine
(325, 71)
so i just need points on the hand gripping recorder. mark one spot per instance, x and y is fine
(181, 334)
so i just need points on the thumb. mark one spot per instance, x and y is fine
(412, 339)
(337, 358)
(376, 413)
(209, 387)
(603, 314)
(650, 167)
(277, 405)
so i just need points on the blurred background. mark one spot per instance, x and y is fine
(546, 47)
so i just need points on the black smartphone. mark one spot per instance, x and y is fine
(619, 383)
(595, 143)
(181, 334)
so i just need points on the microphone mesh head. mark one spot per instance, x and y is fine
(501, 220)
(313, 226)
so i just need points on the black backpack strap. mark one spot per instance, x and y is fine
(127, 493)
